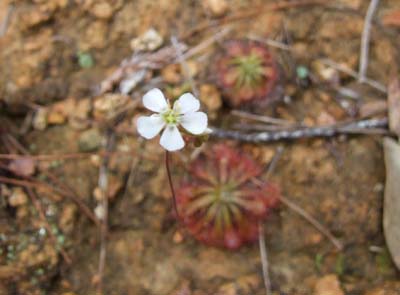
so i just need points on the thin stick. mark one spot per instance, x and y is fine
(313, 221)
(206, 43)
(271, 42)
(171, 184)
(261, 235)
(42, 216)
(132, 172)
(264, 119)
(103, 185)
(358, 127)
(374, 84)
(274, 162)
(258, 127)
(295, 207)
(75, 196)
(6, 21)
(309, 218)
(365, 40)
(49, 188)
(264, 258)
(61, 156)
(46, 157)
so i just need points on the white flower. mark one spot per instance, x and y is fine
(184, 113)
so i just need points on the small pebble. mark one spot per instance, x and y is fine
(18, 197)
(149, 41)
(216, 7)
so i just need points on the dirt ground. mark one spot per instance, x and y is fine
(54, 55)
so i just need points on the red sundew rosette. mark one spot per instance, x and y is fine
(234, 221)
(227, 74)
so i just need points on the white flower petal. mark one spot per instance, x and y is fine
(195, 123)
(149, 127)
(171, 139)
(187, 103)
(155, 101)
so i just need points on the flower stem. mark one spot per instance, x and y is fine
(171, 185)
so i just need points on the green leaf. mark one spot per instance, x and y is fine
(85, 60)
(302, 72)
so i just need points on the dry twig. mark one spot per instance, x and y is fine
(263, 119)
(297, 208)
(374, 84)
(264, 258)
(46, 224)
(358, 127)
(365, 40)
(206, 43)
(4, 24)
(103, 185)
(339, 67)
(313, 221)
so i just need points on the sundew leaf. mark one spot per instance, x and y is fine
(391, 209)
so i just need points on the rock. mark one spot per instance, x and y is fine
(175, 73)
(267, 154)
(24, 166)
(115, 184)
(35, 255)
(32, 17)
(95, 36)
(216, 7)
(55, 118)
(325, 119)
(98, 194)
(108, 104)
(80, 113)
(326, 73)
(102, 10)
(243, 285)
(132, 80)
(99, 212)
(18, 197)
(163, 279)
(40, 119)
(328, 285)
(193, 68)
(171, 74)
(67, 218)
(178, 237)
(149, 41)
(90, 140)
(210, 97)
